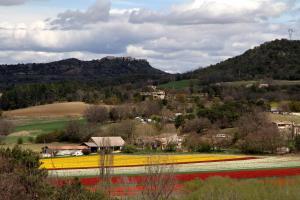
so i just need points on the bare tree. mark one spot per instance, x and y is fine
(257, 134)
(198, 125)
(96, 114)
(6, 127)
(159, 181)
(106, 162)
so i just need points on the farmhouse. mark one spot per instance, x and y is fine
(98, 143)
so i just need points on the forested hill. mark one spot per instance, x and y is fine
(108, 70)
(279, 59)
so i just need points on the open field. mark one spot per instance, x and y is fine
(33, 128)
(36, 147)
(177, 85)
(195, 163)
(74, 109)
(85, 162)
(274, 82)
(285, 118)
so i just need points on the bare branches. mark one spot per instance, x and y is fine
(106, 162)
(159, 181)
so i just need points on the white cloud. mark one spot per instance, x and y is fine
(215, 12)
(164, 41)
(97, 12)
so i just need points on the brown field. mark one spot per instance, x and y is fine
(36, 147)
(73, 109)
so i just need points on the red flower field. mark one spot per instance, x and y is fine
(134, 183)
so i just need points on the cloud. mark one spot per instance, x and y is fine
(214, 12)
(210, 33)
(12, 2)
(97, 12)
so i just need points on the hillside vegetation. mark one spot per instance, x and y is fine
(106, 71)
(278, 60)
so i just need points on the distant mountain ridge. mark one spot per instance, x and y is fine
(278, 59)
(108, 70)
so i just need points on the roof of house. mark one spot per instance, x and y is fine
(89, 144)
(108, 141)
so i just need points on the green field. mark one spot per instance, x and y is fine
(32, 129)
(177, 85)
(253, 82)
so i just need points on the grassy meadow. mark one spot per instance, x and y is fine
(177, 85)
(30, 129)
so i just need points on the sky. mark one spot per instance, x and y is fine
(173, 35)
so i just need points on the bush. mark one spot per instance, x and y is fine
(22, 178)
(194, 143)
(31, 139)
(20, 140)
(86, 152)
(297, 142)
(171, 147)
(294, 106)
(129, 149)
(49, 137)
(179, 121)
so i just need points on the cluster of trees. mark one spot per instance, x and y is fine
(251, 131)
(222, 115)
(257, 134)
(21, 179)
(255, 94)
(39, 94)
(75, 131)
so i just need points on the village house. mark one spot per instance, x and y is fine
(289, 129)
(160, 142)
(98, 143)
(154, 93)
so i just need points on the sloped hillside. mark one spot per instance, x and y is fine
(279, 59)
(108, 70)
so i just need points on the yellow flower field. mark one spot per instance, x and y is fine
(131, 160)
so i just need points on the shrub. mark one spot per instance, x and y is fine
(20, 141)
(171, 147)
(297, 142)
(195, 143)
(31, 139)
(49, 137)
(129, 149)
(86, 152)
(179, 121)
